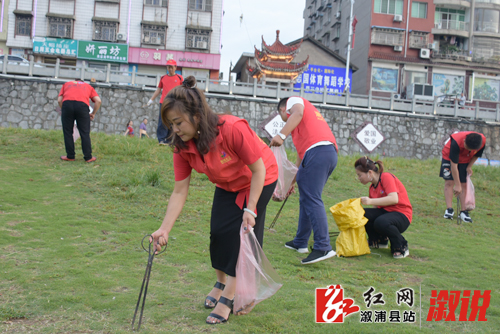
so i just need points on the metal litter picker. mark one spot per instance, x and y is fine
(145, 282)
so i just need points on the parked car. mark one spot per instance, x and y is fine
(15, 59)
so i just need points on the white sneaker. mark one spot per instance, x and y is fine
(449, 213)
(464, 216)
(291, 245)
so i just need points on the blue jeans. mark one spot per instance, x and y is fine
(315, 169)
(162, 132)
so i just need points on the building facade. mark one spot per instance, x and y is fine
(4, 21)
(451, 45)
(124, 33)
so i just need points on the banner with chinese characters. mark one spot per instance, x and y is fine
(317, 77)
(55, 46)
(109, 52)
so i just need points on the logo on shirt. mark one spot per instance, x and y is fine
(319, 116)
(381, 192)
(224, 157)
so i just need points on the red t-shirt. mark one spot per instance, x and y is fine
(388, 183)
(464, 156)
(236, 147)
(312, 129)
(130, 131)
(167, 83)
(77, 91)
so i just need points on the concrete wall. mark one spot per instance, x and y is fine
(32, 104)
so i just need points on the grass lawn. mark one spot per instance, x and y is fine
(71, 260)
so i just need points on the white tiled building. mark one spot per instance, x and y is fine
(188, 31)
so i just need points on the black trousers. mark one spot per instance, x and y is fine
(225, 225)
(76, 111)
(382, 224)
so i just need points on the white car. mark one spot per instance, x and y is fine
(15, 59)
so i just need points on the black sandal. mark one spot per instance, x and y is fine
(228, 303)
(218, 285)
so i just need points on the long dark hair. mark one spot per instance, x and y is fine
(126, 126)
(365, 164)
(191, 101)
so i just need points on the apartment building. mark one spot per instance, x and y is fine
(4, 19)
(124, 33)
(451, 45)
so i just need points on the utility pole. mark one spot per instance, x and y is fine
(346, 81)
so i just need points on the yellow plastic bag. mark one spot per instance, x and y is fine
(350, 219)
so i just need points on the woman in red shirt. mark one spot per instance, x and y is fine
(243, 169)
(393, 211)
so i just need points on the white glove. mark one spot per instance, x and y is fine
(150, 102)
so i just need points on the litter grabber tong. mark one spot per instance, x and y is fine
(458, 210)
(145, 282)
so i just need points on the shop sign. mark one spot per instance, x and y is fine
(110, 52)
(55, 46)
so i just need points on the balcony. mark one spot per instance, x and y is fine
(451, 53)
(455, 4)
(495, 2)
(451, 27)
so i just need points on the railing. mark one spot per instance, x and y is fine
(489, 1)
(452, 24)
(255, 90)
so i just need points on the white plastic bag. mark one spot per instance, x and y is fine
(256, 279)
(470, 198)
(286, 173)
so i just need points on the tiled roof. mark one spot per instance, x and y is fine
(282, 66)
(278, 48)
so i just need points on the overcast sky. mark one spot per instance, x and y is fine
(260, 17)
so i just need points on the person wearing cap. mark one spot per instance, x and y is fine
(316, 159)
(74, 102)
(167, 82)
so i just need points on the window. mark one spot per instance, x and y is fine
(486, 20)
(105, 31)
(419, 10)
(23, 25)
(153, 34)
(390, 37)
(198, 39)
(60, 27)
(388, 7)
(450, 19)
(157, 3)
(329, 15)
(418, 39)
(204, 5)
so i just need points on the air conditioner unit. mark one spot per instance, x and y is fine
(397, 96)
(120, 37)
(146, 39)
(468, 58)
(433, 46)
(337, 15)
(398, 18)
(398, 48)
(425, 53)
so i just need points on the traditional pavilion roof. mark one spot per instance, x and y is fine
(293, 69)
(277, 48)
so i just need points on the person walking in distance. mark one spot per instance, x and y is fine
(167, 82)
(143, 130)
(74, 102)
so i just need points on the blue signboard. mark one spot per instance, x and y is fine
(318, 77)
(55, 46)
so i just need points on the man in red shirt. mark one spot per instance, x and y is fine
(459, 154)
(74, 102)
(167, 82)
(316, 159)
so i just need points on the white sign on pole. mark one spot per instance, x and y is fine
(369, 137)
(274, 126)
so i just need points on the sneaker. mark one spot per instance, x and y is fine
(317, 256)
(91, 159)
(65, 158)
(464, 216)
(383, 243)
(372, 244)
(448, 214)
(401, 254)
(162, 143)
(291, 245)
